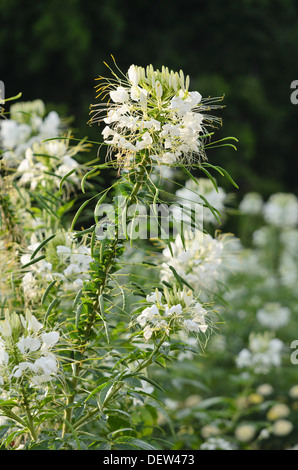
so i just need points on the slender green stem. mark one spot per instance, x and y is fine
(30, 421)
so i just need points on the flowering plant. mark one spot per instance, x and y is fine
(80, 286)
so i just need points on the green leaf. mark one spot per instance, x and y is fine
(51, 306)
(214, 211)
(65, 177)
(79, 212)
(42, 244)
(150, 381)
(78, 315)
(105, 387)
(77, 298)
(41, 201)
(142, 444)
(180, 278)
(47, 291)
(104, 392)
(102, 311)
(33, 261)
(89, 173)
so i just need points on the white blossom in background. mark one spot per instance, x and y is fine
(199, 262)
(273, 315)
(27, 125)
(262, 236)
(154, 111)
(26, 351)
(38, 273)
(251, 204)
(70, 266)
(263, 353)
(75, 265)
(191, 193)
(170, 313)
(30, 171)
(282, 427)
(43, 161)
(281, 210)
(288, 262)
(217, 443)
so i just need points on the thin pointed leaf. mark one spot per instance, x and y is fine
(33, 261)
(65, 177)
(42, 244)
(47, 291)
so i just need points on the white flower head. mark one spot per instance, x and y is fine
(161, 96)
(281, 210)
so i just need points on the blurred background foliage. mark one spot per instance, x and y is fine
(246, 49)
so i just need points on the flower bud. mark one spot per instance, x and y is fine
(158, 89)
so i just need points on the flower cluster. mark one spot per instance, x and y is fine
(251, 204)
(152, 112)
(41, 161)
(67, 263)
(26, 350)
(263, 353)
(39, 164)
(28, 124)
(180, 311)
(273, 315)
(281, 210)
(197, 259)
(77, 260)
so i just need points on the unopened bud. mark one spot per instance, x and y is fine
(158, 89)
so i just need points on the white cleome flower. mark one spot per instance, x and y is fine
(281, 210)
(154, 111)
(186, 315)
(28, 353)
(273, 315)
(251, 204)
(198, 261)
(262, 354)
